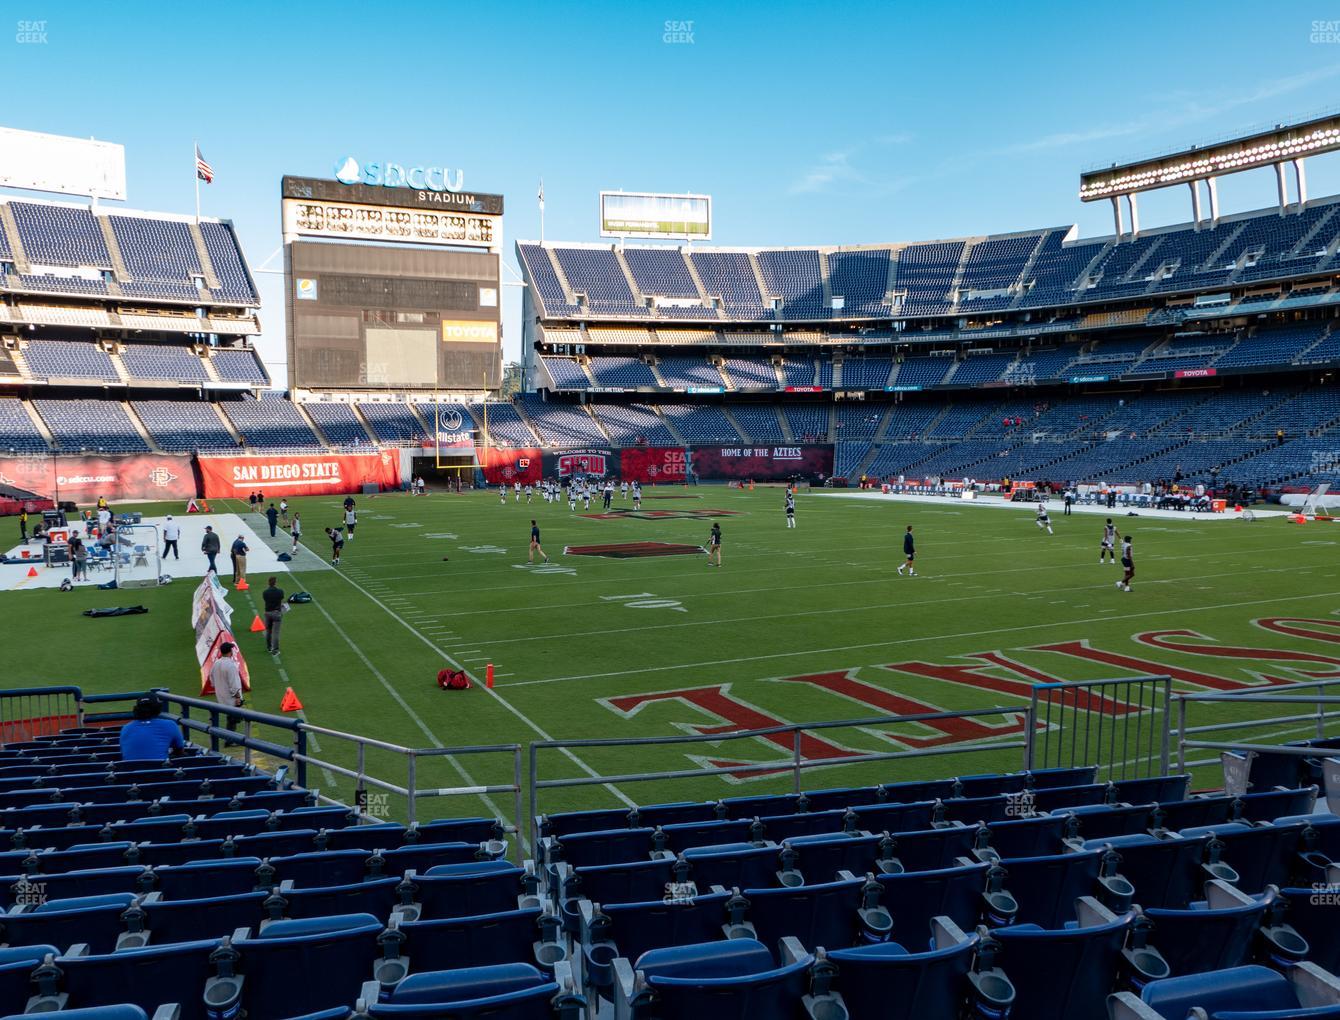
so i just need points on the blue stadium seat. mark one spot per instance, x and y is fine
(1239, 993)
(1261, 855)
(1222, 930)
(377, 897)
(423, 857)
(198, 879)
(1067, 973)
(730, 865)
(294, 967)
(1028, 837)
(1311, 913)
(814, 859)
(1048, 779)
(899, 817)
(1157, 789)
(913, 898)
(738, 979)
(381, 836)
(846, 797)
(318, 868)
(1268, 805)
(827, 914)
(971, 810)
(1164, 871)
(166, 921)
(1194, 812)
(514, 991)
(273, 844)
(225, 824)
(609, 846)
(467, 890)
(686, 835)
(145, 977)
(1045, 888)
(1059, 798)
(931, 849)
(890, 981)
(1102, 821)
(529, 934)
(809, 823)
(95, 921)
(16, 967)
(117, 1012)
(754, 807)
(633, 882)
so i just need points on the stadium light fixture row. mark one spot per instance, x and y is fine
(1161, 174)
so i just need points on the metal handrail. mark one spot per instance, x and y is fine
(1253, 695)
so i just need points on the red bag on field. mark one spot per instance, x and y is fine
(453, 680)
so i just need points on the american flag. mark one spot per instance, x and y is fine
(202, 169)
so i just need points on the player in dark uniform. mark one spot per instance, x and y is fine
(714, 545)
(1128, 564)
(535, 546)
(1109, 546)
(910, 551)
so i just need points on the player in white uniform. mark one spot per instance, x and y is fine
(1043, 521)
(502, 494)
(637, 496)
(572, 495)
(1108, 548)
(516, 488)
(790, 509)
(1127, 563)
(623, 491)
(529, 494)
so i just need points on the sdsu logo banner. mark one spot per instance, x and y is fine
(762, 463)
(503, 467)
(84, 479)
(648, 465)
(311, 475)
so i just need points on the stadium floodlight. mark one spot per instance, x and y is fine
(1281, 144)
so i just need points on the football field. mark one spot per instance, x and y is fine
(627, 632)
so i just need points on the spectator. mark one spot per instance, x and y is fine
(238, 552)
(227, 680)
(210, 547)
(171, 533)
(148, 737)
(78, 558)
(273, 597)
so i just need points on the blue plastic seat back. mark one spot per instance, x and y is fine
(1165, 872)
(1078, 775)
(312, 818)
(912, 817)
(768, 993)
(458, 830)
(16, 968)
(446, 943)
(687, 835)
(509, 992)
(733, 865)
(276, 844)
(1046, 887)
(143, 977)
(1261, 855)
(105, 855)
(487, 888)
(423, 857)
(195, 881)
(289, 975)
(171, 854)
(933, 849)
(1155, 789)
(754, 807)
(813, 823)
(843, 798)
(913, 898)
(906, 793)
(875, 982)
(1269, 770)
(1195, 812)
(328, 867)
(250, 822)
(818, 915)
(1028, 837)
(1102, 822)
(1067, 797)
(676, 813)
(635, 882)
(991, 784)
(1244, 989)
(1195, 941)
(382, 836)
(607, 847)
(210, 918)
(117, 1012)
(569, 823)
(97, 925)
(1061, 974)
(78, 884)
(637, 928)
(1268, 805)
(376, 897)
(971, 810)
(820, 858)
(62, 838)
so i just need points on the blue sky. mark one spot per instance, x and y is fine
(808, 123)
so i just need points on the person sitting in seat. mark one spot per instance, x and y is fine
(148, 737)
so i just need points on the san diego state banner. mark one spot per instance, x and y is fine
(298, 475)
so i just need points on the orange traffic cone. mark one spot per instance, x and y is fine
(257, 624)
(242, 584)
(32, 571)
(488, 676)
(290, 702)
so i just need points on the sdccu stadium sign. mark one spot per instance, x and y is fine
(393, 175)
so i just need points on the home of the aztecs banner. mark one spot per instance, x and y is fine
(649, 465)
(762, 463)
(146, 476)
(298, 475)
(503, 466)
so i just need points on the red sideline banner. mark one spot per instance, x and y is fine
(648, 465)
(83, 479)
(762, 463)
(298, 475)
(503, 467)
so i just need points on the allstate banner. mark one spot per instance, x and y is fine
(762, 463)
(298, 475)
(503, 466)
(648, 465)
(594, 463)
(83, 479)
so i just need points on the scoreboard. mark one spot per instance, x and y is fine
(391, 288)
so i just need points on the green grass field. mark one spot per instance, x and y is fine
(797, 625)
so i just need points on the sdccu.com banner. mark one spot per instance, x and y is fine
(298, 475)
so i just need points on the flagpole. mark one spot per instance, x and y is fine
(542, 211)
(195, 172)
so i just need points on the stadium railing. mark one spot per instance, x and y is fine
(28, 712)
(1120, 725)
(1324, 706)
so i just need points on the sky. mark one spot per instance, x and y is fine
(808, 123)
